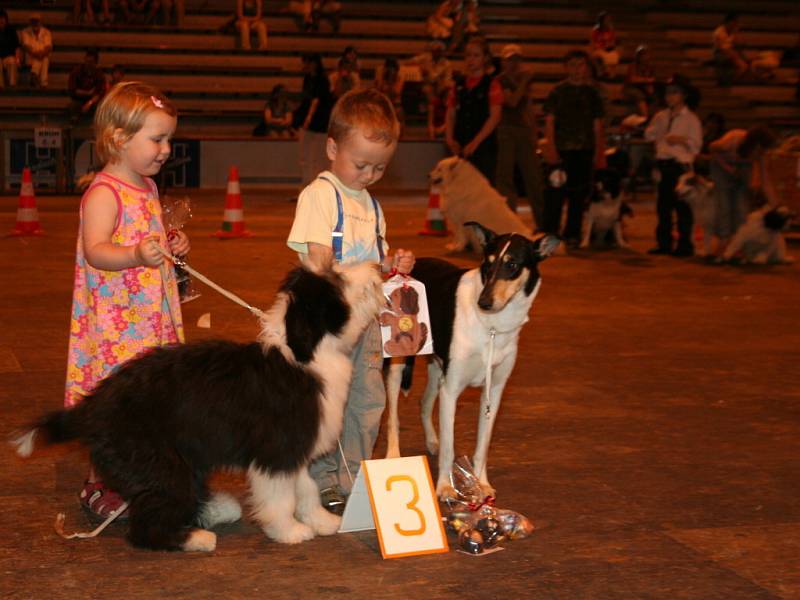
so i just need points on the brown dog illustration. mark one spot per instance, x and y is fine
(408, 335)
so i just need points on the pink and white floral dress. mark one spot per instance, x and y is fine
(117, 315)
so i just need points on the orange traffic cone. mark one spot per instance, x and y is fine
(27, 215)
(434, 222)
(233, 219)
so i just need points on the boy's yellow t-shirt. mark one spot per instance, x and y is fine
(315, 220)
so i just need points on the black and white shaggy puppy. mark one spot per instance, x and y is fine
(476, 318)
(157, 427)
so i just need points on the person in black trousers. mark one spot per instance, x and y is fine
(678, 137)
(575, 143)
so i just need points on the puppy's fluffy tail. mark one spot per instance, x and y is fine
(56, 428)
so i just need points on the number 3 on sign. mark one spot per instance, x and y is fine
(403, 506)
(410, 506)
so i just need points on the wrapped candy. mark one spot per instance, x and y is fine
(176, 212)
(472, 514)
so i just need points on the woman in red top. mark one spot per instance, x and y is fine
(604, 45)
(474, 109)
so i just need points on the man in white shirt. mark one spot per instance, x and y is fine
(38, 45)
(678, 137)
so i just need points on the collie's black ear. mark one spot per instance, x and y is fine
(546, 245)
(485, 235)
(316, 307)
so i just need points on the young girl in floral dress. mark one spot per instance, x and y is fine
(123, 303)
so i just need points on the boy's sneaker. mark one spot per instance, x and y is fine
(333, 500)
(99, 502)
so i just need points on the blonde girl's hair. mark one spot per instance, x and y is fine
(122, 113)
(368, 111)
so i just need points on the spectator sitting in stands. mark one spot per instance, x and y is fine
(10, 52)
(249, 17)
(37, 41)
(277, 117)
(86, 11)
(730, 62)
(640, 83)
(390, 82)
(328, 10)
(344, 79)
(350, 55)
(173, 12)
(139, 12)
(603, 44)
(87, 86)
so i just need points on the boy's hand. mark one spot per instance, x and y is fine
(403, 261)
(147, 252)
(178, 243)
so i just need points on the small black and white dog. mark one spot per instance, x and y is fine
(475, 314)
(157, 427)
(606, 210)
(760, 238)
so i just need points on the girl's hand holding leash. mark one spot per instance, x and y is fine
(147, 253)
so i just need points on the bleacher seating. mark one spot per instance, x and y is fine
(220, 89)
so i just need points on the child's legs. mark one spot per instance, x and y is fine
(244, 33)
(261, 32)
(365, 403)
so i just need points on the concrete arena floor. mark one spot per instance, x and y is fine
(651, 430)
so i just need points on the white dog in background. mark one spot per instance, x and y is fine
(468, 196)
(759, 239)
(698, 193)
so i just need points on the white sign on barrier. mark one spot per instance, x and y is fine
(47, 137)
(396, 497)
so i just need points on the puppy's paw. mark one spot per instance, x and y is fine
(393, 452)
(221, 508)
(323, 522)
(445, 491)
(200, 540)
(290, 533)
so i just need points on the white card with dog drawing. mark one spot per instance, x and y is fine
(405, 324)
(402, 507)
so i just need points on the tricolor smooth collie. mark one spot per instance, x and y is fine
(465, 307)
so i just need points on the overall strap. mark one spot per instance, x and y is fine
(378, 235)
(336, 234)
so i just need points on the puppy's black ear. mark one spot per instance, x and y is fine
(485, 235)
(545, 246)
